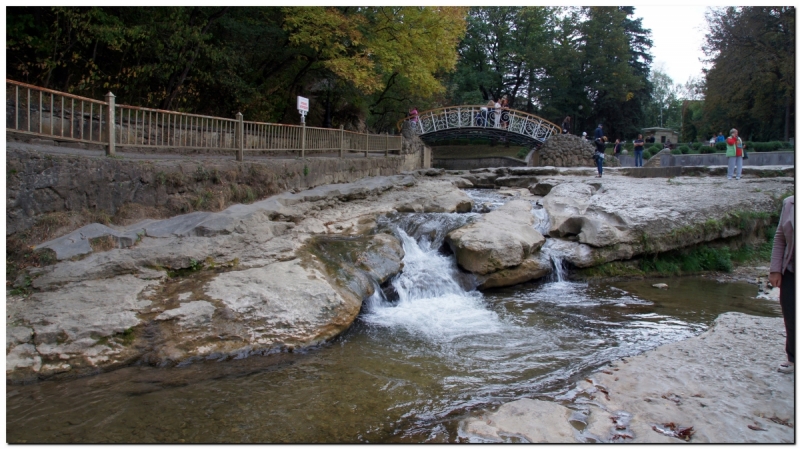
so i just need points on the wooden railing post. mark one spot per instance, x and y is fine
(240, 136)
(303, 141)
(111, 149)
(341, 141)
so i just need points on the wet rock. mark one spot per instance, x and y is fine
(452, 201)
(462, 183)
(541, 188)
(501, 239)
(536, 266)
(191, 314)
(533, 420)
(250, 284)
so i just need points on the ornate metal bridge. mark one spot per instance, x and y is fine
(477, 121)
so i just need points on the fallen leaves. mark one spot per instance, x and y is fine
(782, 422)
(671, 429)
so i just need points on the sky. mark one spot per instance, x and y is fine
(677, 32)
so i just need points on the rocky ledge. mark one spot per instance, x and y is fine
(719, 387)
(292, 270)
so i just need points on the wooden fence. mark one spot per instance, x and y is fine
(37, 111)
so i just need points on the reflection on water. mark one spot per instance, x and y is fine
(382, 382)
(416, 361)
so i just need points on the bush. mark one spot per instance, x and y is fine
(658, 146)
(646, 154)
(706, 149)
(683, 149)
(721, 147)
(628, 146)
(698, 145)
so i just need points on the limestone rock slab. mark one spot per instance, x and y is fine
(501, 239)
(532, 420)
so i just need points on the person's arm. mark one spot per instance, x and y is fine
(778, 248)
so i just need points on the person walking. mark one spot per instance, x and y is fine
(781, 275)
(599, 154)
(734, 152)
(638, 151)
(566, 125)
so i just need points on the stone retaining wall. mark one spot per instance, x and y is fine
(567, 150)
(41, 182)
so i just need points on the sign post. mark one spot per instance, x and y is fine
(302, 108)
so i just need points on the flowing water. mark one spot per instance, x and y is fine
(425, 352)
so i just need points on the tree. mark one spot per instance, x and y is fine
(357, 64)
(590, 63)
(664, 94)
(751, 84)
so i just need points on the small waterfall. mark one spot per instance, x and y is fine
(559, 273)
(434, 298)
(542, 220)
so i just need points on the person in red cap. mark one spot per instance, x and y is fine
(735, 152)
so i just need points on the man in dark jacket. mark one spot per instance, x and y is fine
(598, 133)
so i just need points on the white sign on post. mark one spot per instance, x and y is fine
(302, 107)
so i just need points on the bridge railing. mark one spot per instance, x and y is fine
(37, 111)
(477, 116)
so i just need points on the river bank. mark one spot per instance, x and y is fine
(719, 387)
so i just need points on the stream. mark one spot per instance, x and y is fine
(425, 352)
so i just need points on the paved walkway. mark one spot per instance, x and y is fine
(67, 149)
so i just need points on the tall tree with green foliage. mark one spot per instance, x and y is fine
(590, 63)
(751, 84)
(356, 64)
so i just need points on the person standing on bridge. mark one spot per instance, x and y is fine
(489, 112)
(498, 110)
(414, 117)
(566, 125)
(504, 112)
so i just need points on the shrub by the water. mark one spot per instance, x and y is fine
(689, 261)
(683, 149)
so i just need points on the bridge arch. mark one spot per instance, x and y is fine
(453, 122)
